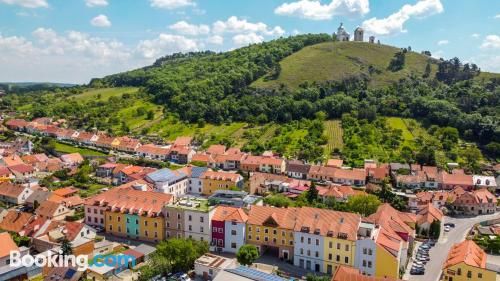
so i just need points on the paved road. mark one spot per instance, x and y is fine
(439, 252)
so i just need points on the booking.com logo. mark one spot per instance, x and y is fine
(80, 262)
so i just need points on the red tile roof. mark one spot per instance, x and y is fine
(65, 191)
(15, 221)
(7, 245)
(11, 190)
(346, 273)
(467, 252)
(226, 213)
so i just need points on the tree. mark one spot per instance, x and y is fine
(179, 254)
(435, 229)
(364, 205)
(472, 156)
(427, 72)
(66, 247)
(247, 254)
(312, 193)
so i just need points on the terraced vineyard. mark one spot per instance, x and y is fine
(333, 130)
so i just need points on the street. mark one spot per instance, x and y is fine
(439, 252)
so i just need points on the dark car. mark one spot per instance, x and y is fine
(417, 271)
(450, 224)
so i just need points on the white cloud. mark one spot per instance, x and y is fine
(96, 3)
(166, 44)
(186, 28)
(247, 39)
(100, 21)
(475, 35)
(216, 40)
(27, 3)
(235, 25)
(443, 42)
(314, 10)
(487, 62)
(438, 54)
(171, 4)
(497, 16)
(393, 24)
(491, 42)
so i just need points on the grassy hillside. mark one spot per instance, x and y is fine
(335, 61)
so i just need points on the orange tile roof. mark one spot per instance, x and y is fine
(7, 244)
(126, 199)
(72, 229)
(389, 240)
(183, 141)
(347, 273)
(334, 163)
(15, 221)
(226, 213)
(355, 174)
(11, 190)
(327, 223)
(282, 217)
(216, 149)
(22, 168)
(467, 252)
(65, 191)
(47, 209)
(199, 157)
(153, 149)
(72, 158)
(390, 218)
(322, 171)
(428, 214)
(484, 196)
(12, 160)
(456, 179)
(224, 176)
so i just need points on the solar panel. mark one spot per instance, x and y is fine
(255, 274)
(69, 273)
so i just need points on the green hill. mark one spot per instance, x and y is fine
(336, 61)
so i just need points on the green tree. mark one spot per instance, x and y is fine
(66, 247)
(312, 193)
(247, 254)
(179, 254)
(435, 229)
(472, 157)
(364, 205)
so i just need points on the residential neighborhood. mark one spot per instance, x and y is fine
(302, 218)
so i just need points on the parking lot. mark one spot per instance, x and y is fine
(439, 252)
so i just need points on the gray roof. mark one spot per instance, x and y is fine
(166, 175)
(145, 249)
(398, 166)
(296, 166)
(197, 171)
(38, 195)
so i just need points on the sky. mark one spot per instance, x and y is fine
(73, 41)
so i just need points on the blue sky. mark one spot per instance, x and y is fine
(75, 40)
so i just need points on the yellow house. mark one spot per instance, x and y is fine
(338, 252)
(388, 254)
(212, 181)
(271, 230)
(132, 213)
(466, 261)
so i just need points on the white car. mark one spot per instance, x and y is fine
(447, 229)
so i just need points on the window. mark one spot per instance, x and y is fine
(283, 242)
(136, 221)
(119, 219)
(364, 263)
(145, 223)
(201, 229)
(249, 237)
(309, 240)
(110, 218)
(274, 231)
(221, 230)
(201, 219)
(338, 258)
(479, 275)
(369, 264)
(119, 229)
(346, 259)
(190, 218)
(190, 228)
(233, 232)
(178, 216)
(291, 242)
(338, 246)
(146, 233)
(317, 242)
(364, 251)
(257, 229)
(330, 256)
(257, 238)
(347, 247)
(214, 229)
(459, 271)
(266, 239)
(266, 231)
(316, 254)
(156, 224)
(308, 252)
(330, 244)
(370, 252)
(233, 245)
(469, 274)
(301, 251)
(110, 228)
(249, 228)
(302, 239)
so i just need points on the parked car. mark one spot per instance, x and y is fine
(417, 271)
(447, 229)
(450, 224)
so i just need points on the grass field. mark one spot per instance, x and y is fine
(399, 123)
(104, 94)
(333, 130)
(338, 60)
(65, 148)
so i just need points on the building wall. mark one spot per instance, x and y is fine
(174, 222)
(94, 215)
(234, 236)
(115, 223)
(365, 257)
(283, 239)
(452, 273)
(309, 251)
(197, 225)
(211, 185)
(218, 233)
(152, 228)
(390, 264)
(338, 252)
(133, 226)
(178, 189)
(195, 186)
